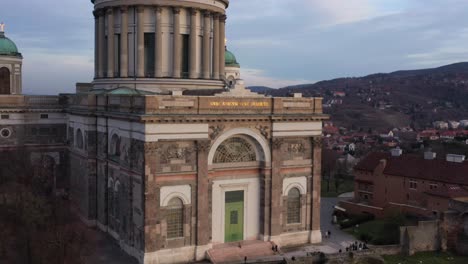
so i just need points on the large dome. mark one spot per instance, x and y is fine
(7, 47)
(230, 59)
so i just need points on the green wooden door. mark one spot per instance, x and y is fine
(234, 216)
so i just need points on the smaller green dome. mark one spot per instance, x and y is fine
(8, 47)
(230, 59)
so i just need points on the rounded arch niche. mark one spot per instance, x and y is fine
(244, 138)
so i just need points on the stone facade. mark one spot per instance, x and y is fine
(169, 176)
(152, 149)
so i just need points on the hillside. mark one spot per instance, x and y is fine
(385, 100)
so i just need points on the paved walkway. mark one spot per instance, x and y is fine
(339, 239)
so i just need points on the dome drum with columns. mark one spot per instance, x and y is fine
(11, 62)
(165, 45)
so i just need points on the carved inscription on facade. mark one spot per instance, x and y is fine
(239, 104)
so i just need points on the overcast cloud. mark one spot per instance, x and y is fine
(277, 42)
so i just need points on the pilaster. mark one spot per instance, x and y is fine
(101, 40)
(124, 42)
(203, 226)
(158, 42)
(141, 41)
(176, 71)
(193, 44)
(206, 45)
(276, 188)
(216, 52)
(316, 182)
(222, 45)
(110, 42)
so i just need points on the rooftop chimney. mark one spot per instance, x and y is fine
(428, 155)
(455, 158)
(396, 152)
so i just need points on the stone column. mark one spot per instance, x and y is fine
(193, 44)
(206, 45)
(141, 41)
(158, 42)
(177, 56)
(203, 227)
(276, 188)
(267, 203)
(216, 47)
(96, 44)
(101, 40)
(110, 42)
(316, 236)
(222, 45)
(124, 42)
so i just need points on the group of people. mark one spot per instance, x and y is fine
(356, 246)
(274, 248)
(328, 234)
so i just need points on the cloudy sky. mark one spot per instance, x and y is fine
(277, 42)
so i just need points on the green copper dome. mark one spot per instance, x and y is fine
(7, 47)
(230, 59)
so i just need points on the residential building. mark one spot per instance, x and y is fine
(413, 184)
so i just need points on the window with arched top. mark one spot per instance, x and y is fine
(110, 196)
(175, 218)
(114, 149)
(116, 197)
(294, 206)
(4, 80)
(79, 139)
(235, 150)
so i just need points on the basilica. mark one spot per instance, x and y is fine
(166, 150)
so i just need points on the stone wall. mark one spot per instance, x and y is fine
(426, 236)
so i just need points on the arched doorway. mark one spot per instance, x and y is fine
(236, 162)
(4, 80)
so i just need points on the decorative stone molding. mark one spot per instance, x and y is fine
(317, 141)
(124, 9)
(173, 152)
(222, 18)
(151, 147)
(203, 146)
(206, 13)
(295, 182)
(182, 192)
(277, 143)
(296, 148)
(140, 9)
(176, 10)
(216, 130)
(158, 9)
(264, 130)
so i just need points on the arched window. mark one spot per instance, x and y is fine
(234, 150)
(110, 196)
(175, 218)
(115, 146)
(79, 139)
(117, 200)
(4, 80)
(294, 206)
